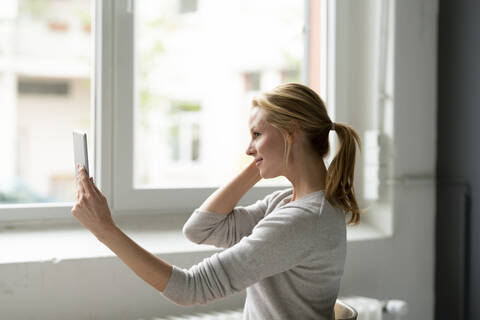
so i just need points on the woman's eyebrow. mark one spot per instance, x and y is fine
(257, 126)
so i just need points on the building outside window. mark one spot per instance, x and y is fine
(45, 66)
(206, 56)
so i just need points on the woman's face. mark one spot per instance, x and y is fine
(267, 145)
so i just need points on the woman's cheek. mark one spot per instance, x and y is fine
(259, 145)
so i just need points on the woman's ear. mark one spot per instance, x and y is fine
(292, 136)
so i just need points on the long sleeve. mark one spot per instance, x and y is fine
(277, 243)
(225, 230)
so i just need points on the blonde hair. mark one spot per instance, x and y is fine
(293, 101)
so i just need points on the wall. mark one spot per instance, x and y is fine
(400, 266)
(101, 288)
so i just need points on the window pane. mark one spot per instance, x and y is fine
(45, 64)
(198, 64)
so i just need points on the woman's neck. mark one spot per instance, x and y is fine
(308, 177)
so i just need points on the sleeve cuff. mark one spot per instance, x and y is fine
(173, 290)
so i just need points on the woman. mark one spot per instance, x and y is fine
(288, 249)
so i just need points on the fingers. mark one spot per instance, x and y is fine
(87, 187)
(95, 189)
(75, 209)
(85, 184)
(92, 186)
(81, 189)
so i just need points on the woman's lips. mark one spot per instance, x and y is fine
(258, 162)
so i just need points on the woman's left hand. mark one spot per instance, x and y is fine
(91, 208)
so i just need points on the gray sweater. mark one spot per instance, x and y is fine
(289, 255)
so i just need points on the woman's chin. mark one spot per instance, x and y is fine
(268, 175)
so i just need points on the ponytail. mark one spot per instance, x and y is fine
(340, 173)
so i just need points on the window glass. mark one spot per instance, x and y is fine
(45, 64)
(198, 65)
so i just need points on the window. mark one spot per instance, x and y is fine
(172, 88)
(205, 57)
(178, 100)
(45, 66)
(360, 93)
(184, 75)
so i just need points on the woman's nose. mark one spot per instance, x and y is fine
(250, 150)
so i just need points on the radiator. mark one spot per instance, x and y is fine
(367, 308)
(374, 309)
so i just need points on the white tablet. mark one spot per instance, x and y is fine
(80, 151)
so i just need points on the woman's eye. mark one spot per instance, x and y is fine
(256, 134)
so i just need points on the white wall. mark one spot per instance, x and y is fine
(401, 266)
(100, 288)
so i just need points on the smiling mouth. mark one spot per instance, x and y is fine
(257, 162)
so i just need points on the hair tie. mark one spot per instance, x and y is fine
(332, 126)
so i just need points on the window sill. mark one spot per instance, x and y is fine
(55, 243)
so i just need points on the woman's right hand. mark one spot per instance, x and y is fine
(226, 198)
(254, 169)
